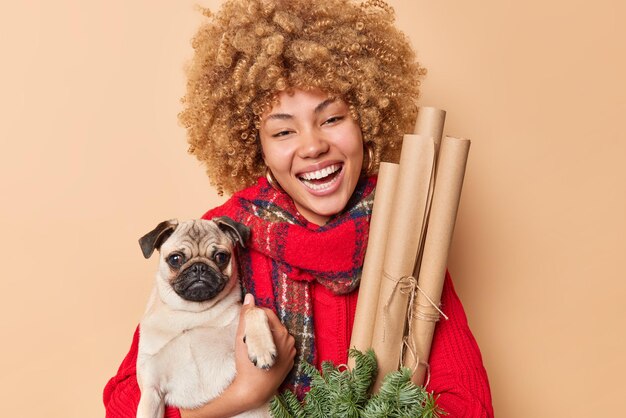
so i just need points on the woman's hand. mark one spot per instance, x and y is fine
(253, 384)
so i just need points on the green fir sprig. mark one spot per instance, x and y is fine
(345, 393)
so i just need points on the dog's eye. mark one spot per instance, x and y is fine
(221, 258)
(175, 260)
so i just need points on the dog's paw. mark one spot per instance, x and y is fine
(258, 339)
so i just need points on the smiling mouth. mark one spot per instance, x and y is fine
(322, 179)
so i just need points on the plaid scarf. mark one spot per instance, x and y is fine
(286, 253)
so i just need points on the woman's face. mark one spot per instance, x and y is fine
(315, 151)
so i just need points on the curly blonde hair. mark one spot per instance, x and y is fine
(251, 50)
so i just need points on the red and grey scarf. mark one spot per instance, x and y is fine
(286, 253)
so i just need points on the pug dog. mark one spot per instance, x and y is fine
(186, 351)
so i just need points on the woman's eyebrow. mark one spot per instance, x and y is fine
(324, 104)
(279, 116)
(319, 108)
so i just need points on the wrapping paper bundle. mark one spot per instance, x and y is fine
(410, 232)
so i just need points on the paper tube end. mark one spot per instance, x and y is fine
(430, 121)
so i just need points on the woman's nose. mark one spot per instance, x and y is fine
(312, 144)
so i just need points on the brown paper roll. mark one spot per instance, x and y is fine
(407, 216)
(369, 288)
(430, 121)
(447, 192)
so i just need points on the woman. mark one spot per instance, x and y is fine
(292, 105)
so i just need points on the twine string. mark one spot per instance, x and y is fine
(408, 286)
(427, 316)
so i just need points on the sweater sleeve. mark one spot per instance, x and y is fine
(121, 394)
(458, 376)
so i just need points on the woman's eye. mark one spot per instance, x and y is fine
(281, 133)
(175, 260)
(332, 120)
(221, 258)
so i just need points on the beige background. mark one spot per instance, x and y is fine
(92, 158)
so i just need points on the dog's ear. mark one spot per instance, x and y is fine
(155, 238)
(237, 231)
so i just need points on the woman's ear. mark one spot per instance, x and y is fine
(258, 138)
(368, 158)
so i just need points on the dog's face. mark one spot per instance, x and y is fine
(197, 260)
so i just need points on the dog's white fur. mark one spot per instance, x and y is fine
(186, 349)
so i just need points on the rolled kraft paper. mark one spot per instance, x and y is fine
(445, 203)
(373, 266)
(430, 121)
(409, 205)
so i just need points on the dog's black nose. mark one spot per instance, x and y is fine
(199, 268)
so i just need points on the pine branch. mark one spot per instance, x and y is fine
(279, 407)
(363, 374)
(316, 400)
(344, 393)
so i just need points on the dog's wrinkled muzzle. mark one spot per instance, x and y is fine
(199, 282)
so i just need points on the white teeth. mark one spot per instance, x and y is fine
(318, 187)
(320, 174)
